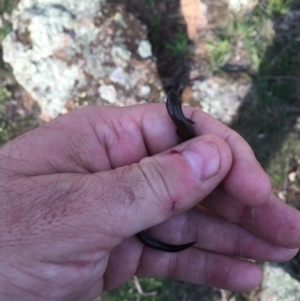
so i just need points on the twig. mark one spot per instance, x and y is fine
(223, 294)
(286, 181)
(140, 290)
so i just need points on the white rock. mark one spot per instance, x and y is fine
(219, 98)
(144, 91)
(118, 76)
(40, 49)
(238, 6)
(279, 285)
(145, 49)
(108, 93)
(121, 55)
(57, 52)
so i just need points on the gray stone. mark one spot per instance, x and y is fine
(45, 37)
(220, 98)
(144, 91)
(279, 285)
(121, 55)
(108, 93)
(85, 10)
(60, 56)
(118, 76)
(145, 49)
(118, 18)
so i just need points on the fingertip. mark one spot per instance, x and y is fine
(285, 255)
(245, 277)
(249, 183)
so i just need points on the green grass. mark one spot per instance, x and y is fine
(267, 115)
(129, 291)
(6, 6)
(6, 125)
(254, 31)
(150, 3)
(9, 127)
(162, 290)
(178, 47)
(220, 52)
(4, 95)
(278, 6)
(285, 161)
(5, 30)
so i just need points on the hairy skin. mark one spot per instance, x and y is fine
(74, 192)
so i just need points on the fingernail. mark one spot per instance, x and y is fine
(204, 159)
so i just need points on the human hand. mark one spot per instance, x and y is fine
(75, 191)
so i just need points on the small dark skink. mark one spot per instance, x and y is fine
(184, 128)
(153, 243)
(185, 131)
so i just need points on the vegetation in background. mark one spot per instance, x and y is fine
(4, 127)
(271, 109)
(9, 126)
(277, 6)
(129, 291)
(6, 6)
(162, 290)
(254, 34)
(221, 51)
(179, 45)
(270, 40)
(151, 3)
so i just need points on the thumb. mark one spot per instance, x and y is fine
(139, 196)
